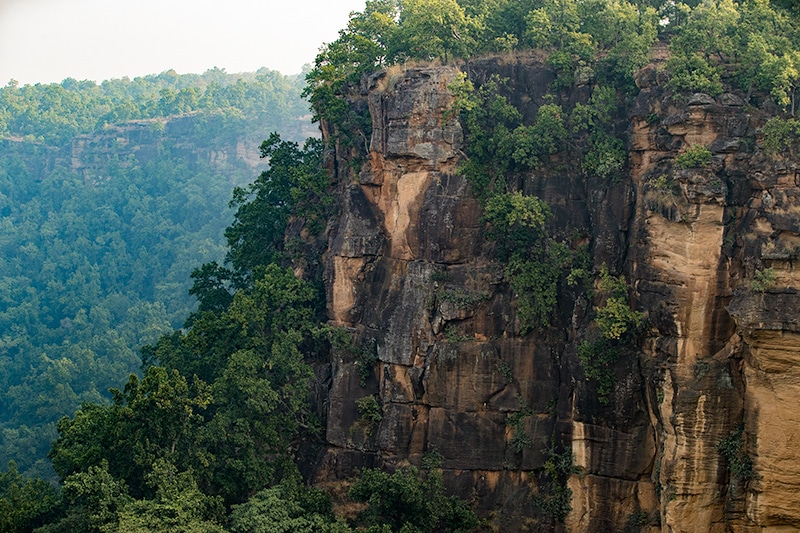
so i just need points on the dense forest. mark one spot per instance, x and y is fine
(109, 198)
(211, 434)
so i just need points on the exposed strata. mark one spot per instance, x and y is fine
(409, 272)
(141, 142)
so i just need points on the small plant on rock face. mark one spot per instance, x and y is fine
(371, 412)
(598, 359)
(505, 369)
(694, 157)
(616, 319)
(638, 519)
(763, 280)
(462, 298)
(700, 369)
(556, 498)
(732, 448)
(520, 440)
(617, 324)
(453, 336)
(439, 276)
(366, 358)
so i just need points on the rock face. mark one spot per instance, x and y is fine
(183, 137)
(411, 276)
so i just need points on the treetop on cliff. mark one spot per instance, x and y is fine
(757, 39)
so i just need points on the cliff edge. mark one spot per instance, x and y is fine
(696, 433)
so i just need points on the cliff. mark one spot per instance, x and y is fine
(411, 275)
(191, 138)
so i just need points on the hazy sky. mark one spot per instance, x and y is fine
(49, 40)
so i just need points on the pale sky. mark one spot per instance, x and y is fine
(49, 40)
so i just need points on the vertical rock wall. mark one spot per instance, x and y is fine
(411, 276)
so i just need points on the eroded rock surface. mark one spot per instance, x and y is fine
(411, 276)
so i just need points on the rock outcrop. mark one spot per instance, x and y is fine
(411, 276)
(187, 138)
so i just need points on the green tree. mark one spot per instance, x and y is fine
(432, 29)
(516, 221)
(261, 395)
(94, 498)
(410, 501)
(25, 503)
(529, 146)
(709, 31)
(617, 325)
(287, 507)
(295, 184)
(178, 506)
(367, 43)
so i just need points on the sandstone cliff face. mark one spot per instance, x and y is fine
(410, 274)
(142, 142)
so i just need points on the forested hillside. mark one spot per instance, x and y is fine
(229, 417)
(110, 196)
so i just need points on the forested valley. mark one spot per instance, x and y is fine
(110, 196)
(207, 324)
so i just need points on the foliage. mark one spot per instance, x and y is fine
(693, 73)
(95, 497)
(618, 34)
(535, 284)
(371, 412)
(528, 146)
(295, 185)
(410, 501)
(520, 440)
(288, 507)
(461, 298)
(498, 144)
(55, 113)
(155, 418)
(555, 497)
(732, 449)
(366, 44)
(430, 29)
(25, 503)
(516, 221)
(533, 262)
(178, 505)
(488, 119)
(344, 346)
(695, 156)
(260, 397)
(780, 135)
(96, 256)
(370, 409)
(606, 154)
(638, 519)
(236, 434)
(598, 359)
(709, 30)
(506, 370)
(700, 369)
(616, 319)
(763, 280)
(617, 324)
(758, 38)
